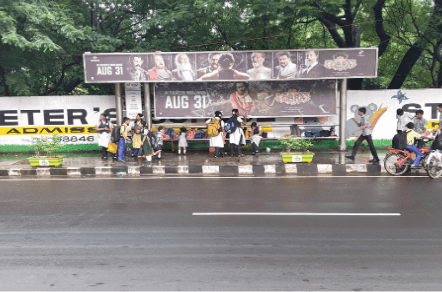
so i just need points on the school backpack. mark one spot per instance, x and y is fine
(230, 126)
(213, 128)
(153, 140)
(437, 143)
(400, 141)
(115, 135)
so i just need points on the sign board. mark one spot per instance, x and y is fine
(256, 99)
(74, 117)
(230, 65)
(133, 99)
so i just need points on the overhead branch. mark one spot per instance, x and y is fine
(379, 24)
(60, 80)
(331, 27)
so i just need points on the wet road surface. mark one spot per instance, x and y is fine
(140, 234)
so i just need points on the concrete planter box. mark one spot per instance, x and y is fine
(46, 161)
(297, 157)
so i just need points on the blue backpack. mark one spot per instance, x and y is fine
(230, 126)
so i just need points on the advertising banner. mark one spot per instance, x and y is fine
(381, 107)
(73, 117)
(231, 65)
(133, 99)
(255, 99)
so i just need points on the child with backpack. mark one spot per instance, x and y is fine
(147, 136)
(137, 142)
(123, 138)
(255, 137)
(215, 130)
(159, 140)
(182, 141)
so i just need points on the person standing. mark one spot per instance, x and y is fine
(237, 138)
(365, 127)
(160, 138)
(402, 120)
(420, 126)
(255, 137)
(137, 142)
(439, 109)
(123, 138)
(217, 141)
(182, 141)
(104, 135)
(147, 146)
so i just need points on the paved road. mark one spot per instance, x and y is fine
(139, 234)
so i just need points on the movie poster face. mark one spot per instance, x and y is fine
(255, 99)
(231, 65)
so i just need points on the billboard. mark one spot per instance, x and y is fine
(230, 65)
(294, 98)
(74, 117)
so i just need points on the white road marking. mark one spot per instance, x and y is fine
(210, 177)
(292, 214)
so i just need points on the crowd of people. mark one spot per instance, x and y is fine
(146, 144)
(415, 128)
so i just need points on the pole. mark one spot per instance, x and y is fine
(343, 115)
(118, 104)
(147, 109)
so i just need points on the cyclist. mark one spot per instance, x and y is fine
(411, 136)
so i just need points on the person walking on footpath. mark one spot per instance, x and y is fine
(217, 141)
(365, 127)
(255, 137)
(237, 138)
(104, 136)
(182, 141)
(123, 138)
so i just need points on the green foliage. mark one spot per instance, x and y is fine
(47, 145)
(295, 144)
(42, 41)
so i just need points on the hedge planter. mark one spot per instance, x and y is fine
(297, 157)
(46, 161)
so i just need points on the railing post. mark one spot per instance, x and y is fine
(147, 109)
(118, 103)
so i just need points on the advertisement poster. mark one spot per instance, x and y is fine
(231, 65)
(74, 117)
(133, 99)
(255, 99)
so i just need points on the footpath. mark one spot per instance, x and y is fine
(325, 161)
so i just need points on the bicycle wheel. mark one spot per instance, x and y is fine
(432, 168)
(390, 164)
(424, 160)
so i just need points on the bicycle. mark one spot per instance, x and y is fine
(434, 164)
(398, 162)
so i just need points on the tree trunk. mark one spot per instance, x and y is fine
(413, 54)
